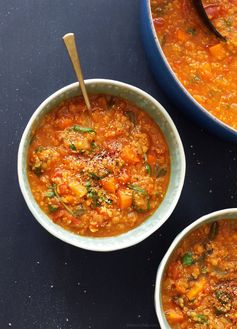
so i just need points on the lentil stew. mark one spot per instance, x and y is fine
(199, 288)
(204, 65)
(98, 173)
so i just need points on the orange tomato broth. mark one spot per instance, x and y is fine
(205, 65)
(98, 173)
(199, 288)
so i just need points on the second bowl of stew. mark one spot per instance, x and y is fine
(102, 179)
(196, 285)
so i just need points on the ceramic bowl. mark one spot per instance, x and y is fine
(158, 113)
(171, 84)
(212, 217)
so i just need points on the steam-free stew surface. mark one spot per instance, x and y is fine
(98, 173)
(205, 65)
(200, 283)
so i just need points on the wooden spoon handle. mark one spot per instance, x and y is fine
(70, 43)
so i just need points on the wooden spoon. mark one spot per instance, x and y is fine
(70, 43)
(203, 15)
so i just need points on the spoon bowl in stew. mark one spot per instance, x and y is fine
(206, 20)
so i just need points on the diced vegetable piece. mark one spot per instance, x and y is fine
(192, 31)
(223, 303)
(63, 189)
(180, 286)
(81, 129)
(79, 211)
(148, 168)
(64, 123)
(82, 144)
(182, 36)
(52, 208)
(109, 184)
(102, 174)
(140, 198)
(50, 193)
(197, 288)
(72, 147)
(94, 146)
(159, 171)
(102, 101)
(137, 188)
(78, 189)
(141, 201)
(111, 101)
(129, 155)
(205, 71)
(218, 51)
(151, 159)
(213, 10)
(201, 318)
(94, 176)
(106, 199)
(37, 169)
(174, 316)
(213, 231)
(132, 116)
(93, 194)
(187, 259)
(159, 21)
(88, 184)
(125, 198)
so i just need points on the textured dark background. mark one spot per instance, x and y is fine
(45, 283)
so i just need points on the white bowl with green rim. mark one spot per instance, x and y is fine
(159, 115)
(230, 213)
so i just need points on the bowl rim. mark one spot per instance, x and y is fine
(162, 266)
(108, 242)
(181, 86)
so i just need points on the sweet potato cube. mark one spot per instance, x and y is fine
(196, 289)
(218, 51)
(174, 316)
(109, 184)
(124, 198)
(78, 189)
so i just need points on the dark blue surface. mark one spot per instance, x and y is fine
(44, 283)
(170, 85)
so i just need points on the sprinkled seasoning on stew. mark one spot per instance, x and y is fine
(100, 173)
(205, 65)
(200, 283)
